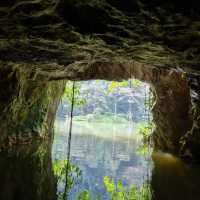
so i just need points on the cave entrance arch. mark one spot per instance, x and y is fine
(170, 87)
(35, 96)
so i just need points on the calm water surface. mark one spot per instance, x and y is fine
(112, 150)
(102, 149)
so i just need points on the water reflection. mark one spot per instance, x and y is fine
(102, 150)
(112, 151)
(26, 173)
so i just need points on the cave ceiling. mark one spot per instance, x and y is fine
(52, 36)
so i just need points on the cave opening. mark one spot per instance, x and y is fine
(31, 114)
(110, 136)
(171, 113)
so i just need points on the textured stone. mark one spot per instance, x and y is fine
(28, 106)
(65, 31)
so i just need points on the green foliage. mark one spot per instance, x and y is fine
(114, 85)
(84, 195)
(102, 97)
(77, 90)
(135, 83)
(120, 192)
(145, 130)
(74, 174)
(109, 184)
(143, 150)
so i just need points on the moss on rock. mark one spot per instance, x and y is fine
(32, 106)
(156, 33)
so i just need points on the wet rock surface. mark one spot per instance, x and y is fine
(28, 106)
(65, 31)
(191, 141)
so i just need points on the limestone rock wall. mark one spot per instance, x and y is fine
(42, 32)
(172, 111)
(28, 107)
(190, 142)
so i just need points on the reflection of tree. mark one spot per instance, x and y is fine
(93, 153)
(98, 156)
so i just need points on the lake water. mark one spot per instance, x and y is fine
(26, 171)
(102, 149)
(107, 149)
